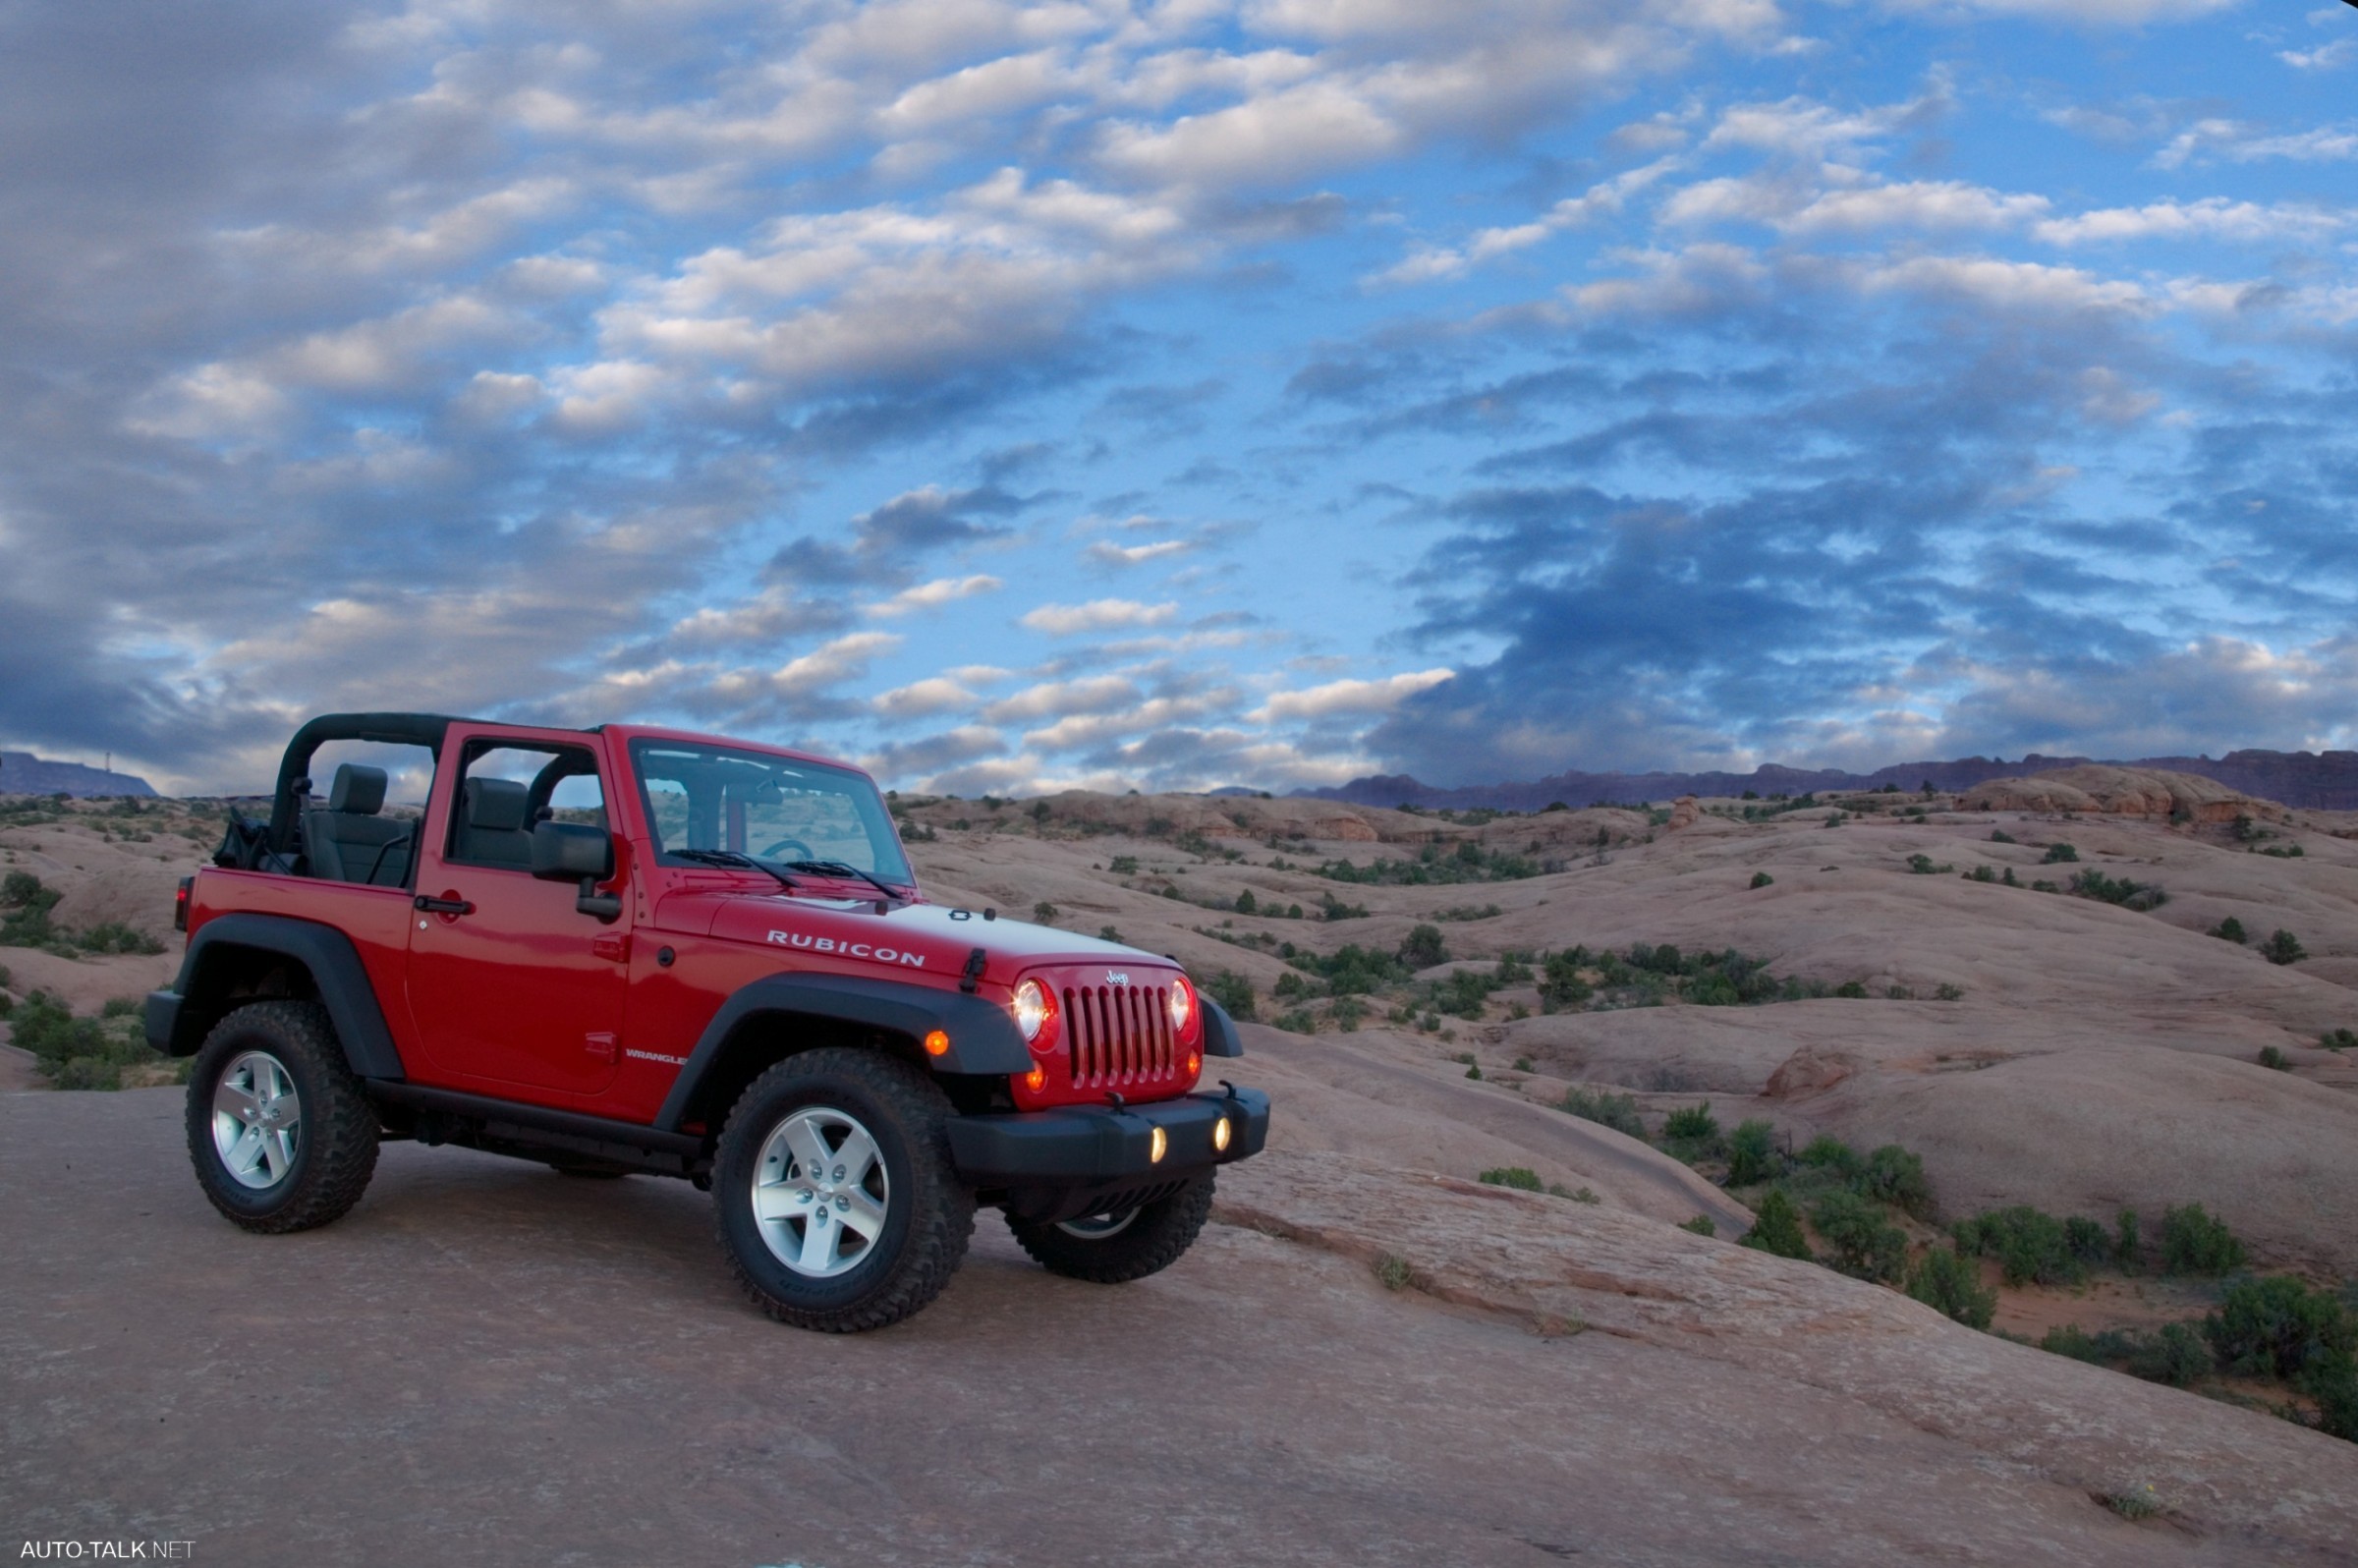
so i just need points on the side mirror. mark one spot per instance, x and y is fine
(566, 851)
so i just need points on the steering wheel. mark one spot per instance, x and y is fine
(771, 853)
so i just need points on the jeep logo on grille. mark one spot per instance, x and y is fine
(1115, 977)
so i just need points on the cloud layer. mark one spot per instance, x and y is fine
(1182, 392)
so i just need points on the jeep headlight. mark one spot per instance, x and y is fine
(1183, 1007)
(1030, 1009)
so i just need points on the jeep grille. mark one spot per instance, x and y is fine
(1117, 1036)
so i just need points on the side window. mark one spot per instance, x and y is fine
(505, 788)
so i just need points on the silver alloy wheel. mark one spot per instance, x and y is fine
(1097, 1227)
(820, 1192)
(258, 1120)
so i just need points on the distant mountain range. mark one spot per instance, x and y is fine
(22, 773)
(2326, 782)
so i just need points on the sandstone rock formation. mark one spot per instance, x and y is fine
(2098, 787)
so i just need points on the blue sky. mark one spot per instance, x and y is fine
(1184, 394)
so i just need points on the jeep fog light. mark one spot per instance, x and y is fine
(1157, 1147)
(1030, 1009)
(1219, 1135)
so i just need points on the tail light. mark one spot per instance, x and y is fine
(180, 903)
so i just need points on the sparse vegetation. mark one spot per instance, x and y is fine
(1233, 991)
(1865, 1243)
(1776, 1227)
(1693, 1123)
(2272, 1057)
(2058, 854)
(1922, 866)
(2230, 929)
(2031, 1246)
(2193, 1242)
(1751, 1156)
(1522, 1178)
(1948, 1281)
(2282, 948)
(1700, 1225)
(1392, 1272)
(1761, 879)
(86, 1052)
(1616, 1112)
(2119, 890)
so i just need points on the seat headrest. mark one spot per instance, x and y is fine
(496, 804)
(358, 790)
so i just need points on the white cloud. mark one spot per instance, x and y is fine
(1916, 205)
(1107, 554)
(1097, 615)
(2008, 284)
(1096, 693)
(920, 698)
(933, 595)
(2210, 217)
(1349, 697)
(2324, 56)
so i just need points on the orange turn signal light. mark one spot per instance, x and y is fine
(937, 1044)
(1036, 1079)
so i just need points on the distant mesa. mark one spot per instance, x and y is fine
(2120, 792)
(2312, 781)
(22, 773)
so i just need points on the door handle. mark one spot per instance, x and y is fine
(441, 906)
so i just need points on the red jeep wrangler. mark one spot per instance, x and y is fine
(629, 949)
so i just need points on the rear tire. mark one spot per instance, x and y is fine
(279, 1131)
(834, 1195)
(1115, 1249)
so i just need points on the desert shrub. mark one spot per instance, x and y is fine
(2124, 1242)
(1616, 1112)
(2176, 1355)
(1985, 873)
(1246, 903)
(2332, 1381)
(2282, 948)
(1947, 993)
(1752, 1153)
(2230, 929)
(1233, 991)
(1348, 1012)
(1922, 866)
(2071, 1339)
(1298, 1021)
(1423, 948)
(1392, 1272)
(2088, 1240)
(2277, 1325)
(1123, 865)
(25, 906)
(1853, 989)
(1776, 1227)
(1865, 1242)
(1043, 912)
(79, 1052)
(1998, 835)
(2118, 891)
(1473, 1068)
(1949, 1283)
(2031, 1246)
(1522, 1178)
(1761, 879)
(1694, 1123)
(1828, 1152)
(2269, 1057)
(2058, 854)
(1334, 909)
(2333, 1040)
(1700, 1225)
(1892, 1175)
(2192, 1242)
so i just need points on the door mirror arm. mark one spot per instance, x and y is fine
(605, 906)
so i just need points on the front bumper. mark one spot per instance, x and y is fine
(1084, 1154)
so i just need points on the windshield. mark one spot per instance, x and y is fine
(704, 798)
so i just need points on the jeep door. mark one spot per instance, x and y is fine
(509, 984)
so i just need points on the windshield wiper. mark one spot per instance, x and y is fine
(706, 856)
(842, 868)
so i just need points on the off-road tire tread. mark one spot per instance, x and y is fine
(340, 1137)
(941, 1226)
(1164, 1230)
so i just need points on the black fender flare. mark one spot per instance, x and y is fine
(179, 1019)
(984, 1039)
(1219, 1029)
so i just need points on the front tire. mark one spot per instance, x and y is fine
(834, 1195)
(1115, 1249)
(279, 1131)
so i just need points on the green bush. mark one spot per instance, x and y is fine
(2175, 1354)
(78, 1052)
(2118, 891)
(1892, 1175)
(2031, 1246)
(1922, 866)
(2333, 1040)
(2192, 1242)
(1522, 1178)
(2058, 854)
(2332, 1381)
(2089, 1242)
(1949, 1283)
(1700, 1225)
(2282, 948)
(2278, 1324)
(25, 906)
(1246, 903)
(1761, 879)
(1233, 991)
(1853, 989)
(2230, 929)
(1776, 1227)
(1998, 835)
(1828, 1152)
(1694, 1123)
(2124, 1242)
(1123, 865)
(2272, 1057)
(1616, 1112)
(1752, 1155)
(1423, 948)
(1865, 1243)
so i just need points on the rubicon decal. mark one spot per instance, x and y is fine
(842, 949)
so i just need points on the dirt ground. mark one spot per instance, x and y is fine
(487, 1362)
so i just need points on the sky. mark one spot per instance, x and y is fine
(1172, 394)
